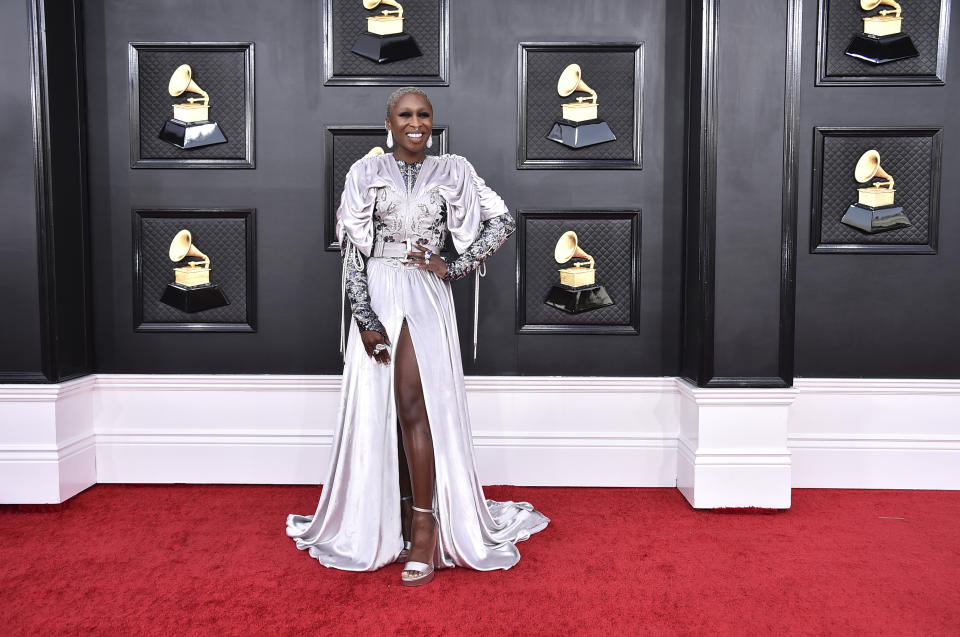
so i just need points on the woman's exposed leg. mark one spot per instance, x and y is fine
(418, 444)
(406, 493)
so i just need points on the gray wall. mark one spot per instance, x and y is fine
(298, 283)
(20, 320)
(877, 315)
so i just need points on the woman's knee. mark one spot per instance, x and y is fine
(415, 426)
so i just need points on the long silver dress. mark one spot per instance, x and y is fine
(356, 526)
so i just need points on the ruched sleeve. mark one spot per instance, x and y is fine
(355, 214)
(469, 200)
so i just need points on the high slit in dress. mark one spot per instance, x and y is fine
(357, 522)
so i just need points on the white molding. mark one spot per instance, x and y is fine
(733, 447)
(896, 386)
(55, 439)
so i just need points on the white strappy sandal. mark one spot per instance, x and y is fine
(407, 545)
(424, 572)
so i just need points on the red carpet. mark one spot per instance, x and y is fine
(213, 560)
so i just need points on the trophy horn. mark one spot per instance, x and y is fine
(868, 167)
(869, 5)
(570, 81)
(372, 4)
(182, 82)
(376, 150)
(568, 248)
(182, 247)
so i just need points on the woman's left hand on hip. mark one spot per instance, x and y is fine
(427, 260)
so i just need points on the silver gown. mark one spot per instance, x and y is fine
(356, 526)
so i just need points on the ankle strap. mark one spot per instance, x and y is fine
(416, 508)
(406, 497)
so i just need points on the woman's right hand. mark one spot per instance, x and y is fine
(372, 338)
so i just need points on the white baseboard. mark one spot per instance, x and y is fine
(278, 430)
(56, 440)
(876, 433)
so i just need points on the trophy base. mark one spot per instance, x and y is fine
(386, 48)
(193, 299)
(581, 134)
(577, 300)
(873, 220)
(191, 135)
(880, 49)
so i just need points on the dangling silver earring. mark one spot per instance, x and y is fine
(389, 138)
(430, 141)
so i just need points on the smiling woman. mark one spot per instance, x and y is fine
(420, 501)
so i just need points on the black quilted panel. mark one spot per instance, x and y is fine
(219, 73)
(609, 73)
(606, 240)
(421, 19)
(907, 158)
(349, 145)
(921, 21)
(223, 240)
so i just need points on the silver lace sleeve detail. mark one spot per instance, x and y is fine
(359, 295)
(493, 234)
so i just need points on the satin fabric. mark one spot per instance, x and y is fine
(469, 200)
(357, 522)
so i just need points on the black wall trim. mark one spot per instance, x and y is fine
(42, 177)
(700, 196)
(788, 224)
(22, 377)
(749, 382)
(701, 205)
(60, 174)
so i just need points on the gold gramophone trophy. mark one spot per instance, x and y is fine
(385, 40)
(874, 211)
(191, 126)
(578, 290)
(191, 290)
(881, 40)
(581, 125)
(373, 152)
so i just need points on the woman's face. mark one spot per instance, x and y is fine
(411, 122)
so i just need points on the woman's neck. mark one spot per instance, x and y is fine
(408, 157)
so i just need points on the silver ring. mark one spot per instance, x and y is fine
(379, 347)
(427, 254)
(426, 258)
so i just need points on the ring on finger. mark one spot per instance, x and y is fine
(379, 347)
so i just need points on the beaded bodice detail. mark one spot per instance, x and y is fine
(419, 216)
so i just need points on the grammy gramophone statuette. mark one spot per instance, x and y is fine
(882, 40)
(376, 150)
(385, 40)
(191, 290)
(875, 210)
(581, 125)
(578, 290)
(191, 126)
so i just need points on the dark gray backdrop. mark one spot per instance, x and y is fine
(856, 315)
(298, 282)
(878, 315)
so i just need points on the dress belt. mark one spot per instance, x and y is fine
(396, 249)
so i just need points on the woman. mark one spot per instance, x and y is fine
(420, 501)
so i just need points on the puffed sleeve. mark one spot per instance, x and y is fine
(469, 201)
(355, 214)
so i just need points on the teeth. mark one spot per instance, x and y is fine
(415, 135)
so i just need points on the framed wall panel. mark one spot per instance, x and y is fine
(227, 237)
(546, 138)
(910, 155)
(612, 238)
(224, 70)
(347, 45)
(344, 145)
(917, 55)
